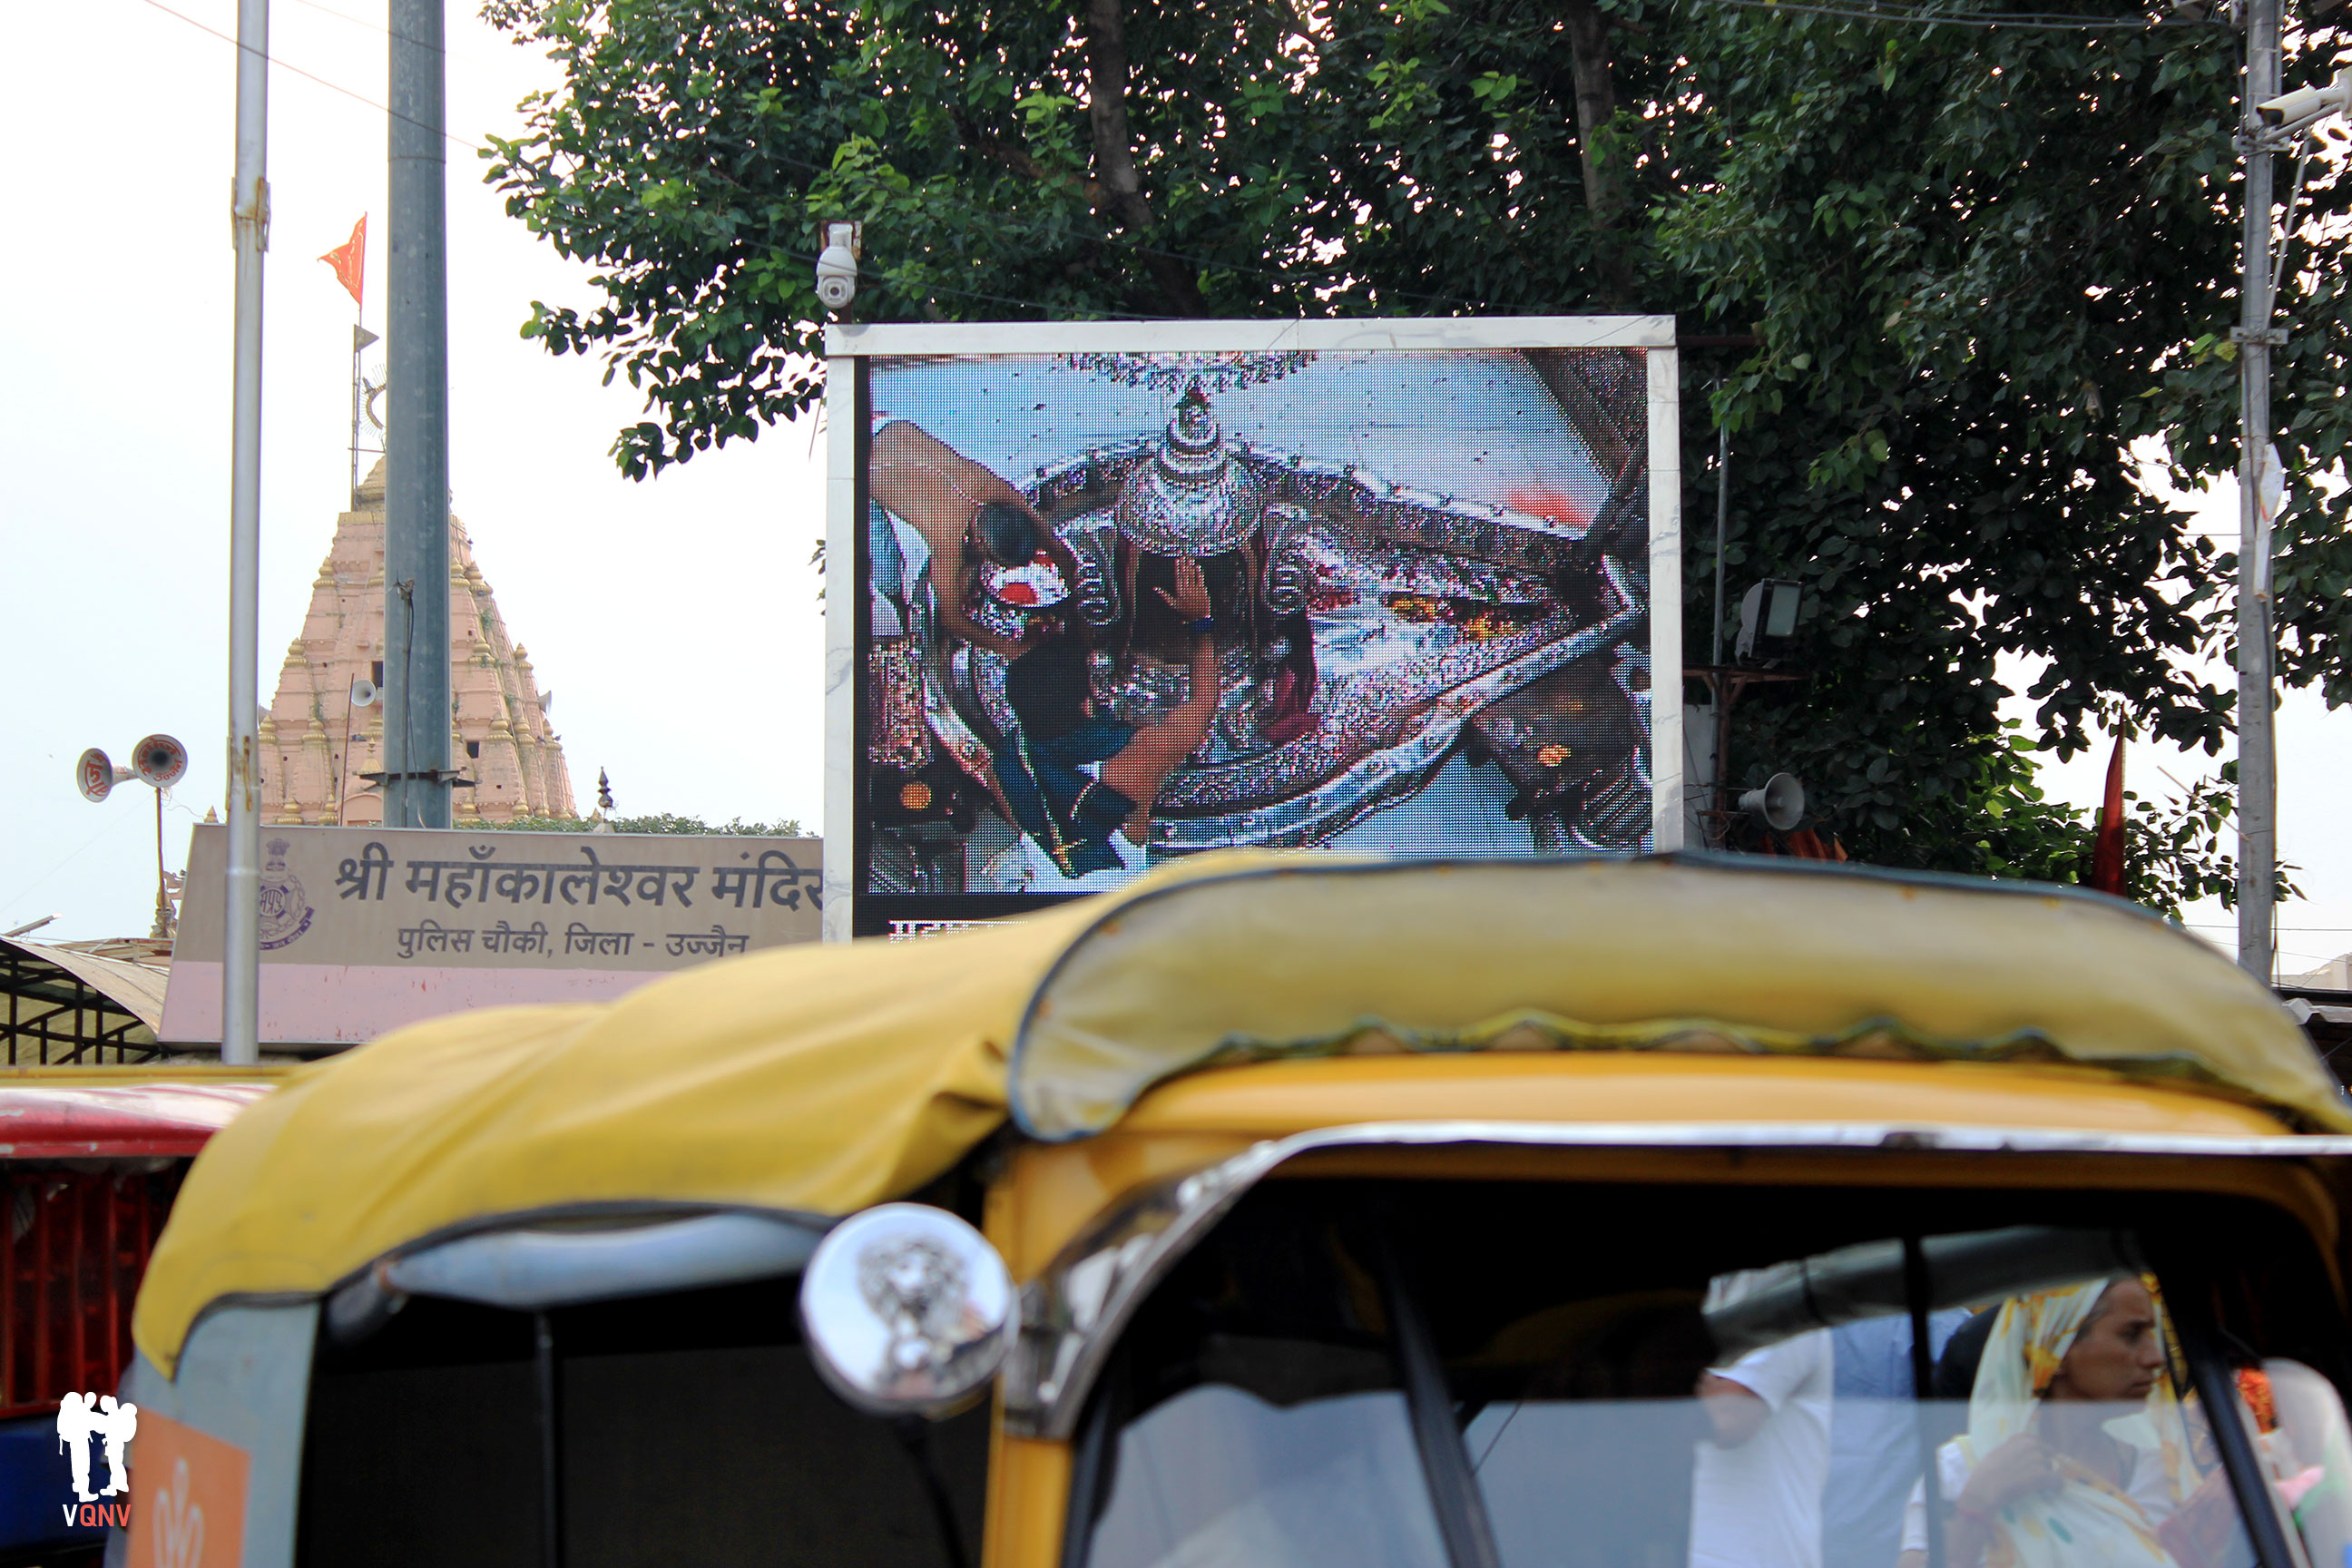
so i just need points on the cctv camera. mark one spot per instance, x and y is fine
(836, 267)
(2305, 104)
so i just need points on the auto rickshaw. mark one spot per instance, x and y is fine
(89, 1160)
(1296, 1211)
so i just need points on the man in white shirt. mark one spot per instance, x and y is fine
(1756, 1491)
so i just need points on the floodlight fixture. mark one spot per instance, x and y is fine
(1767, 622)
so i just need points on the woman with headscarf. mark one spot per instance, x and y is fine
(2074, 1454)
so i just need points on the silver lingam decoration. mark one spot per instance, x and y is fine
(1195, 497)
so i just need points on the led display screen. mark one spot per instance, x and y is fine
(1118, 608)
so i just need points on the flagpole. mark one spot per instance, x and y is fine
(349, 260)
(250, 225)
(358, 333)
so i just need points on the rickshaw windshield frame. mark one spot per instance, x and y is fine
(1927, 1271)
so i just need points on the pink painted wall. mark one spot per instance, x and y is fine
(327, 1003)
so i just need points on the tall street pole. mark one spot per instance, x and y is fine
(249, 225)
(416, 457)
(2257, 759)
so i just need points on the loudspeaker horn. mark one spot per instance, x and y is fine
(95, 772)
(1778, 805)
(364, 692)
(160, 760)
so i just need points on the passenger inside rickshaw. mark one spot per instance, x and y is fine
(1263, 1407)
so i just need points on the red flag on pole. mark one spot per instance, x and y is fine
(2107, 852)
(350, 259)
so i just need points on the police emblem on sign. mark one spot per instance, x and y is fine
(284, 908)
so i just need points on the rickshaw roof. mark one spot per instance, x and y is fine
(820, 1079)
(83, 1118)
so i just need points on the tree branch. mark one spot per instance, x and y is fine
(1018, 159)
(1596, 106)
(1596, 102)
(1114, 159)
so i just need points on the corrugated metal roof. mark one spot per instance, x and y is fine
(136, 988)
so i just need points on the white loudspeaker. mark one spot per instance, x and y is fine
(1778, 805)
(95, 772)
(160, 760)
(364, 692)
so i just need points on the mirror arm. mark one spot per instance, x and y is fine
(1462, 1520)
(550, 1440)
(914, 1434)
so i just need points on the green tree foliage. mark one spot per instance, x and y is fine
(1978, 264)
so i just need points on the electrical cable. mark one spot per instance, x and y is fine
(314, 76)
(1296, 280)
(111, 827)
(868, 275)
(1929, 16)
(372, 26)
(1332, 275)
(448, 135)
(2287, 233)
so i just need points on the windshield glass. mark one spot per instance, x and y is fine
(1260, 1417)
(1524, 1378)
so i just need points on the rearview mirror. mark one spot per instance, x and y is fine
(907, 1312)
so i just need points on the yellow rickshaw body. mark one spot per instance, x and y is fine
(1672, 1020)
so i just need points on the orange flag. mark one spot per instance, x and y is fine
(350, 259)
(2107, 848)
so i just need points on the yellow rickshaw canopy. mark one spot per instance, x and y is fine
(822, 1079)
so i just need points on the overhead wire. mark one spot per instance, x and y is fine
(1296, 280)
(864, 273)
(1934, 15)
(1332, 275)
(443, 131)
(284, 64)
(371, 26)
(1292, 280)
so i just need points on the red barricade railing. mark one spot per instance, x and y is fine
(73, 1246)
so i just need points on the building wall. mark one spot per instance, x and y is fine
(315, 746)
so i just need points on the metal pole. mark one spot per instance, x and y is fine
(2257, 760)
(358, 343)
(1721, 686)
(249, 224)
(163, 888)
(1722, 520)
(416, 460)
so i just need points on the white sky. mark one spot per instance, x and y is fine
(2314, 766)
(676, 621)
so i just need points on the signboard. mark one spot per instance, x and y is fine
(364, 929)
(187, 1497)
(1125, 593)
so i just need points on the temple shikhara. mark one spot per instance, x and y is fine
(317, 746)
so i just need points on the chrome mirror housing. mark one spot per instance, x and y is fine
(907, 1310)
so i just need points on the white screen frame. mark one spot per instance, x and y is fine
(845, 343)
